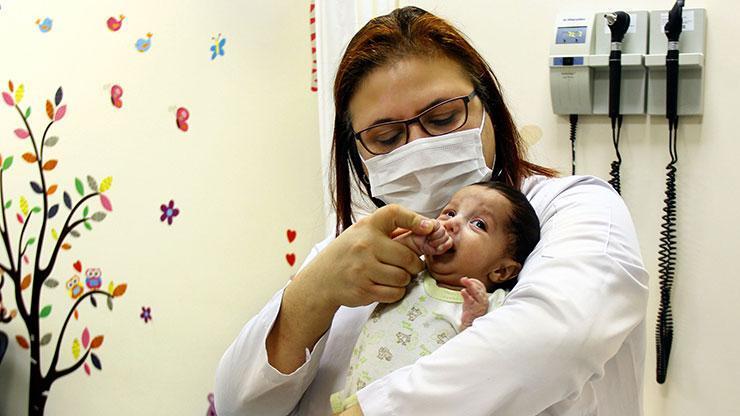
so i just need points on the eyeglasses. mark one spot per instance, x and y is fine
(440, 119)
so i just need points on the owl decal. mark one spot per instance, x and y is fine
(74, 287)
(93, 278)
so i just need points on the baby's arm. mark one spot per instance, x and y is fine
(435, 243)
(475, 301)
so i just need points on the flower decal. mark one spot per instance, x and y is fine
(146, 314)
(169, 212)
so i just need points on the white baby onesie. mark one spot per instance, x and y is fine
(397, 334)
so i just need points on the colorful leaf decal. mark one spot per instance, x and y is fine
(28, 113)
(36, 187)
(45, 339)
(85, 211)
(36, 210)
(105, 202)
(93, 301)
(51, 283)
(45, 311)
(50, 164)
(67, 200)
(92, 183)
(98, 216)
(19, 218)
(22, 341)
(52, 189)
(87, 225)
(66, 246)
(74, 233)
(54, 234)
(9, 204)
(29, 157)
(77, 315)
(76, 348)
(10, 85)
(24, 205)
(53, 211)
(60, 112)
(58, 96)
(51, 141)
(7, 163)
(50, 110)
(96, 342)
(21, 133)
(105, 185)
(30, 241)
(109, 302)
(96, 361)
(80, 188)
(87, 368)
(85, 338)
(119, 290)
(110, 288)
(8, 99)
(19, 94)
(26, 282)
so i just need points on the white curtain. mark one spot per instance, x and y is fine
(336, 22)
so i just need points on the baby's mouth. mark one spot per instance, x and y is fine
(446, 256)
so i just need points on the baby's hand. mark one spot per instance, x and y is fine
(475, 301)
(434, 243)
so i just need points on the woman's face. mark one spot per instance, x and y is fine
(403, 89)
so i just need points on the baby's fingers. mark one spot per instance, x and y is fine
(476, 289)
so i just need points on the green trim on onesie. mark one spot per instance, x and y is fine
(338, 405)
(440, 293)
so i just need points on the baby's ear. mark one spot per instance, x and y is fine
(505, 270)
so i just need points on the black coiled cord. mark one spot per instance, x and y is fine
(573, 127)
(667, 261)
(615, 180)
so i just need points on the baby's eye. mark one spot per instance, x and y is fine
(480, 224)
(449, 213)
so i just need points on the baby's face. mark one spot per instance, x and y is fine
(475, 219)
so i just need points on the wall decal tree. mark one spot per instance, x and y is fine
(39, 276)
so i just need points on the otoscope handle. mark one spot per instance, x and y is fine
(615, 79)
(671, 65)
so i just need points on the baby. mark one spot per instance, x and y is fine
(484, 233)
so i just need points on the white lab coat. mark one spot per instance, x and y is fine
(569, 339)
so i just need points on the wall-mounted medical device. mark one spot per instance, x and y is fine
(579, 64)
(571, 80)
(633, 74)
(690, 62)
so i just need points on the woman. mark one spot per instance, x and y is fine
(418, 115)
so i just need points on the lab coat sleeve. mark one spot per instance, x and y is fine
(246, 384)
(580, 294)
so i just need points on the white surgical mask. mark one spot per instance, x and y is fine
(423, 175)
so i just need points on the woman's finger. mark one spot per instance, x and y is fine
(396, 254)
(388, 275)
(390, 217)
(386, 294)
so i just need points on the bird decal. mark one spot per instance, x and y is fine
(114, 24)
(143, 44)
(45, 25)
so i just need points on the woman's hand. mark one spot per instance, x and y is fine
(364, 265)
(437, 242)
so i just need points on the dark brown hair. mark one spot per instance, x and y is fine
(413, 32)
(522, 228)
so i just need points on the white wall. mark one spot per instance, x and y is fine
(247, 170)
(515, 38)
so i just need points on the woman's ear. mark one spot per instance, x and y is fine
(506, 269)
